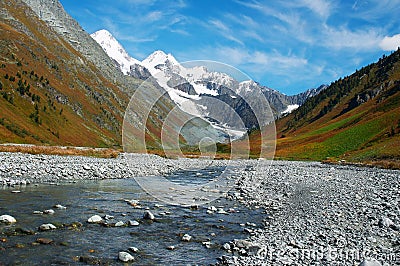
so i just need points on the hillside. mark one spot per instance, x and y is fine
(357, 119)
(49, 92)
(53, 94)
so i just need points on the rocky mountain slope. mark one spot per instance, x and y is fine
(58, 90)
(356, 118)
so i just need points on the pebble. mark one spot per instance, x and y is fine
(242, 243)
(207, 244)
(226, 246)
(385, 222)
(7, 219)
(95, 219)
(86, 167)
(212, 208)
(125, 256)
(134, 249)
(108, 217)
(133, 223)
(46, 227)
(186, 238)
(60, 207)
(119, 224)
(148, 215)
(221, 211)
(44, 241)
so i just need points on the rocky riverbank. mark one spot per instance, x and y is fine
(314, 213)
(21, 168)
(322, 215)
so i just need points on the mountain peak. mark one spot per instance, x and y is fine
(114, 49)
(103, 33)
(159, 57)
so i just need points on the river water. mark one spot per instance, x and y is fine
(99, 244)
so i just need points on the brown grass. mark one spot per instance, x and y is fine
(59, 150)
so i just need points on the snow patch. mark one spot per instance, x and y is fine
(290, 108)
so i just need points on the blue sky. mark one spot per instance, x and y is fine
(286, 45)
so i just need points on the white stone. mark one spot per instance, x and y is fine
(108, 217)
(226, 246)
(148, 215)
(59, 206)
(134, 249)
(95, 219)
(45, 227)
(8, 219)
(49, 211)
(386, 222)
(133, 223)
(119, 224)
(186, 237)
(125, 256)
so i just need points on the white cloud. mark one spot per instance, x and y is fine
(224, 30)
(253, 61)
(320, 7)
(153, 16)
(390, 43)
(343, 38)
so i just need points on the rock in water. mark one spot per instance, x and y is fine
(226, 246)
(59, 206)
(46, 227)
(44, 241)
(134, 249)
(108, 217)
(125, 256)
(119, 224)
(148, 215)
(133, 223)
(186, 237)
(370, 262)
(95, 219)
(7, 219)
(50, 211)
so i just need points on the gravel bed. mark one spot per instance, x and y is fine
(321, 215)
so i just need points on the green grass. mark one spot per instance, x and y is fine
(352, 138)
(333, 126)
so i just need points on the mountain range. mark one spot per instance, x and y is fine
(60, 85)
(214, 96)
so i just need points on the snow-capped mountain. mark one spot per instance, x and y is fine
(206, 94)
(114, 50)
